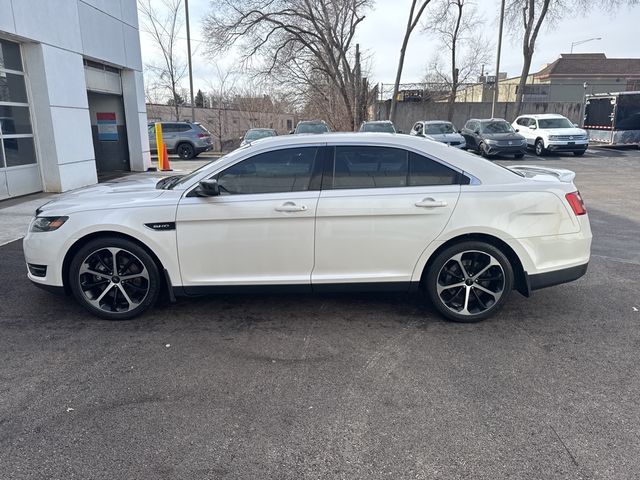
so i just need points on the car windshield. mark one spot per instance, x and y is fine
(312, 128)
(555, 123)
(378, 127)
(439, 128)
(256, 134)
(496, 127)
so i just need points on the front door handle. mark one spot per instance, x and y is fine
(431, 203)
(291, 207)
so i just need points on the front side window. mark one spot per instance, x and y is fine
(524, 121)
(386, 167)
(288, 170)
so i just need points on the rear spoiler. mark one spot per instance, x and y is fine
(533, 171)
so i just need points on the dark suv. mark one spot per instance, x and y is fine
(186, 139)
(493, 136)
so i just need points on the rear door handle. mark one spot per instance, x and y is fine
(291, 207)
(431, 203)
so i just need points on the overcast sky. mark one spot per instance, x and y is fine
(380, 35)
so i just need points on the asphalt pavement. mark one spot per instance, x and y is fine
(346, 386)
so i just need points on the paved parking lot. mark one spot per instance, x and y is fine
(338, 386)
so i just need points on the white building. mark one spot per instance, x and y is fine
(71, 94)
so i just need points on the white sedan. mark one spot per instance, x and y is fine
(317, 213)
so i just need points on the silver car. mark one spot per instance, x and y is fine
(440, 131)
(186, 139)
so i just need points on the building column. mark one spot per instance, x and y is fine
(61, 121)
(135, 112)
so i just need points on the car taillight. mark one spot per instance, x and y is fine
(203, 135)
(577, 205)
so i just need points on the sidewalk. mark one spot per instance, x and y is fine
(16, 213)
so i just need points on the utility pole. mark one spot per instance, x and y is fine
(193, 108)
(497, 83)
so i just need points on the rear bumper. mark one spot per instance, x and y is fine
(556, 277)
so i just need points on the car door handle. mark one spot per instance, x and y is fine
(431, 203)
(291, 207)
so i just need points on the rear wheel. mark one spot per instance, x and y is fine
(114, 278)
(540, 150)
(469, 282)
(186, 151)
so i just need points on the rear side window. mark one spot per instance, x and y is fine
(288, 170)
(386, 167)
(181, 127)
(423, 172)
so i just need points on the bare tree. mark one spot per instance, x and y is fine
(163, 25)
(530, 15)
(457, 25)
(415, 13)
(300, 39)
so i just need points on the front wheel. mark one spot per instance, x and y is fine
(482, 150)
(518, 156)
(469, 282)
(114, 278)
(539, 146)
(579, 153)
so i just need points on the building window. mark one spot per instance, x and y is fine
(16, 134)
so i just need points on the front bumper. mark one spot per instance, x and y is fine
(568, 146)
(505, 149)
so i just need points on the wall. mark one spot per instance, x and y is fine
(410, 112)
(55, 37)
(226, 125)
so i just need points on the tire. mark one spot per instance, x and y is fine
(98, 290)
(481, 150)
(186, 151)
(539, 148)
(518, 156)
(579, 153)
(489, 271)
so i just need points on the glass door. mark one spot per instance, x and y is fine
(18, 162)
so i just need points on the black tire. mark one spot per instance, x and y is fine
(518, 156)
(497, 278)
(539, 148)
(103, 293)
(579, 153)
(186, 151)
(481, 150)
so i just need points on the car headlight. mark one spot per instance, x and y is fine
(553, 137)
(47, 224)
(491, 142)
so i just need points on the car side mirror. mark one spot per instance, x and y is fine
(460, 132)
(533, 127)
(291, 132)
(576, 125)
(399, 131)
(477, 132)
(209, 188)
(517, 130)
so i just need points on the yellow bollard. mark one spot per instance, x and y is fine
(159, 146)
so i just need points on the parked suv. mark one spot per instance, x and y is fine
(551, 132)
(493, 136)
(186, 139)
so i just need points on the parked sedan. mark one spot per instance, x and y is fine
(256, 134)
(550, 132)
(440, 131)
(381, 126)
(491, 137)
(317, 213)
